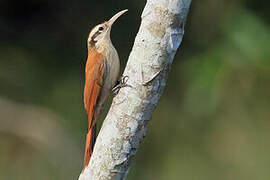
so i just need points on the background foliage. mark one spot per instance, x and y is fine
(211, 123)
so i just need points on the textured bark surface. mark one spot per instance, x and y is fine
(156, 43)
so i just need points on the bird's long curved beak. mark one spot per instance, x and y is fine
(116, 16)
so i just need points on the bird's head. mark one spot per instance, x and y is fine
(100, 34)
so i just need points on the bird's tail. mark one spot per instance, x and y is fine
(89, 144)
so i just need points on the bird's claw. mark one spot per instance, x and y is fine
(122, 82)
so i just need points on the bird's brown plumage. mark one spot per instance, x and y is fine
(101, 74)
(94, 72)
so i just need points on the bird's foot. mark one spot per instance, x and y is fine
(122, 82)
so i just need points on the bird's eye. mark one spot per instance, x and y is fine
(100, 28)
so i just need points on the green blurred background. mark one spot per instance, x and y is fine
(212, 122)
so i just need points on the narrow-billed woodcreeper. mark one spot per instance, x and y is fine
(101, 75)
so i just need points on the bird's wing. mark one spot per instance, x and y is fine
(94, 73)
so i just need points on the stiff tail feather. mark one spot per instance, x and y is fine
(89, 145)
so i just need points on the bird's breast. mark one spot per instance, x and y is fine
(108, 57)
(112, 67)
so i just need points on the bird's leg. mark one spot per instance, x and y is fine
(122, 82)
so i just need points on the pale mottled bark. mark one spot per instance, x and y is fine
(159, 36)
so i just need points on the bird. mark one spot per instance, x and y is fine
(101, 76)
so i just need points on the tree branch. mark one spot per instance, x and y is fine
(159, 36)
